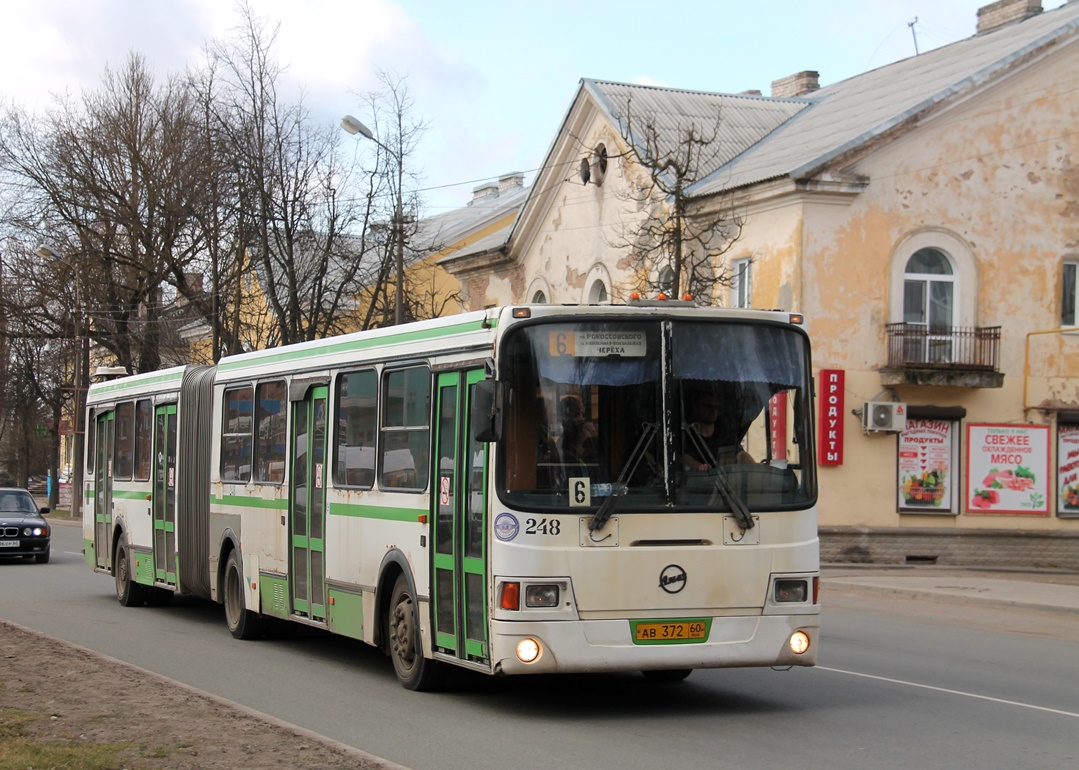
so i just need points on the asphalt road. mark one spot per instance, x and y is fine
(900, 684)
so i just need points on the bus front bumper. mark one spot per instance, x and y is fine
(608, 645)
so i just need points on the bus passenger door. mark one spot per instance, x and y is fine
(307, 509)
(460, 514)
(105, 428)
(164, 494)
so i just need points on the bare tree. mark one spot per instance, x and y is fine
(300, 205)
(397, 131)
(113, 182)
(677, 244)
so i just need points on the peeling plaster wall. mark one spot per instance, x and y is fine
(584, 225)
(994, 178)
(993, 181)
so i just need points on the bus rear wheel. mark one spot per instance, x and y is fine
(128, 592)
(413, 670)
(242, 622)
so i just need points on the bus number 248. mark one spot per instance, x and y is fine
(543, 526)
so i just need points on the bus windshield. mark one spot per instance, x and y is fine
(663, 415)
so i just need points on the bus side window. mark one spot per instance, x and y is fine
(405, 430)
(144, 434)
(124, 450)
(357, 425)
(270, 401)
(236, 434)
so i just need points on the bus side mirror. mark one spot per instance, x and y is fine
(487, 411)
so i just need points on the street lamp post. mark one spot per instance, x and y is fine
(354, 127)
(82, 377)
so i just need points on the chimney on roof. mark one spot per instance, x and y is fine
(996, 15)
(510, 182)
(798, 84)
(484, 191)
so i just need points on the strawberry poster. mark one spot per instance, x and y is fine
(1007, 469)
(926, 460)
(1068, 469)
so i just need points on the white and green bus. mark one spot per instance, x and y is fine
(517, 490)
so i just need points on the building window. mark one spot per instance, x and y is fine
(741, 282)
(539, 298)
(666, 280)
(598, 293)
(1067, 302)
(929, 304)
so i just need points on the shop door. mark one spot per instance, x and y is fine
(460, 513)
(164, 494)
(307, 509)
(105, 427)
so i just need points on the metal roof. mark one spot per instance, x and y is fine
(762, 138)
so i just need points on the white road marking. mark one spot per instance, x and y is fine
(951, 692)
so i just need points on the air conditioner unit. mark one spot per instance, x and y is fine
(884, 416)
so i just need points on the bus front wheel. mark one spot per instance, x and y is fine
(413, 670)
(128, 592)
(242, 622)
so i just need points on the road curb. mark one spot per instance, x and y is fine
(836, 585)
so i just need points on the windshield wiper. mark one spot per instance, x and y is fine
(600, 517)
(720, 479)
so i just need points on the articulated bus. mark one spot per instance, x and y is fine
(518, 490)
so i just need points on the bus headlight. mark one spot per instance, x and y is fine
(799, 642)
(542, 595)
(528, 650)
(791, 590)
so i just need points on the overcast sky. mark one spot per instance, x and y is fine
(493, 78)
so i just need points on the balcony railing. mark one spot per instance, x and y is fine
(915, 346)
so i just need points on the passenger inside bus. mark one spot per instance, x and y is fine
(708, 443)
(578, 442)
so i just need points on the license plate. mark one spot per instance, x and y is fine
(9, 544)
(692, 631)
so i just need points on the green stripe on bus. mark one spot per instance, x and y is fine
(376, 512)
(120, 494)
(362, 343)
(242, 501)
(121, 385)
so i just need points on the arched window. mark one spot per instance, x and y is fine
(539, 298)
(929, 302)
(666, 280)
(598, 293)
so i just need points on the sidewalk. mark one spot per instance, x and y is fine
(1031, 589)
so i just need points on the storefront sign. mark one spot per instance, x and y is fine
(1068, 469)
(832, 398)
(1007, 469)
(926, 459)
(777, 416)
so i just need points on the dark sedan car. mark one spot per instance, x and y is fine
(23, 530)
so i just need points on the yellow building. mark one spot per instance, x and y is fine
(923, 217)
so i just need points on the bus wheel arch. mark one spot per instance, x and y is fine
(399, 615)
(242, 622)
(128, 592)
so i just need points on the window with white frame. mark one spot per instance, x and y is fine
(1067, 299)
(741, 282)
